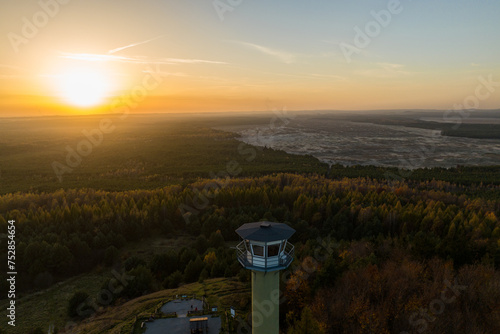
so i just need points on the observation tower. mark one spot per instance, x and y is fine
(265, 251)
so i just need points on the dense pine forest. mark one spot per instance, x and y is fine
(372, 256)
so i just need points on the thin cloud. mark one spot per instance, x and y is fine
(193, 61)
(185, 75)
(385, 70)
(393, 68)
(133, 44)
(94, 57)
(136, 59)
(328, 76)
(110, 56)
(11, 71)
(293, 75)
(390, 65)
(9, 76)
(283, 56)
(168, 74)
(12, 67)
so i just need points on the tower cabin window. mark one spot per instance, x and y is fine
(273, 250)
(258, 250)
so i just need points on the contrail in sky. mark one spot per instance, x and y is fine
(131, 45)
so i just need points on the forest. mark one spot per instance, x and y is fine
(372, 255)
(142, 152)
(453, 123)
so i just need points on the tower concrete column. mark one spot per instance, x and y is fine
(265, 302)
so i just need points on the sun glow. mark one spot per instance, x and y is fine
(84, 87)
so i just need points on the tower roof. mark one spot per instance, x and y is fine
(265, 231)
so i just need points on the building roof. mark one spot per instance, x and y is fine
(265, 231)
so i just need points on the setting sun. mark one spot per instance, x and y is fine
(84, 87)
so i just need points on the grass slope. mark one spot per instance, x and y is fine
(223, 292)
(49, 307)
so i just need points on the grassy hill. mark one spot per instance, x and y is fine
(49, 307)
(223, 292)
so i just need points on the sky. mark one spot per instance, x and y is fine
(65, 56)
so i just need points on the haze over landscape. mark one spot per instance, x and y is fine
(136, 137)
